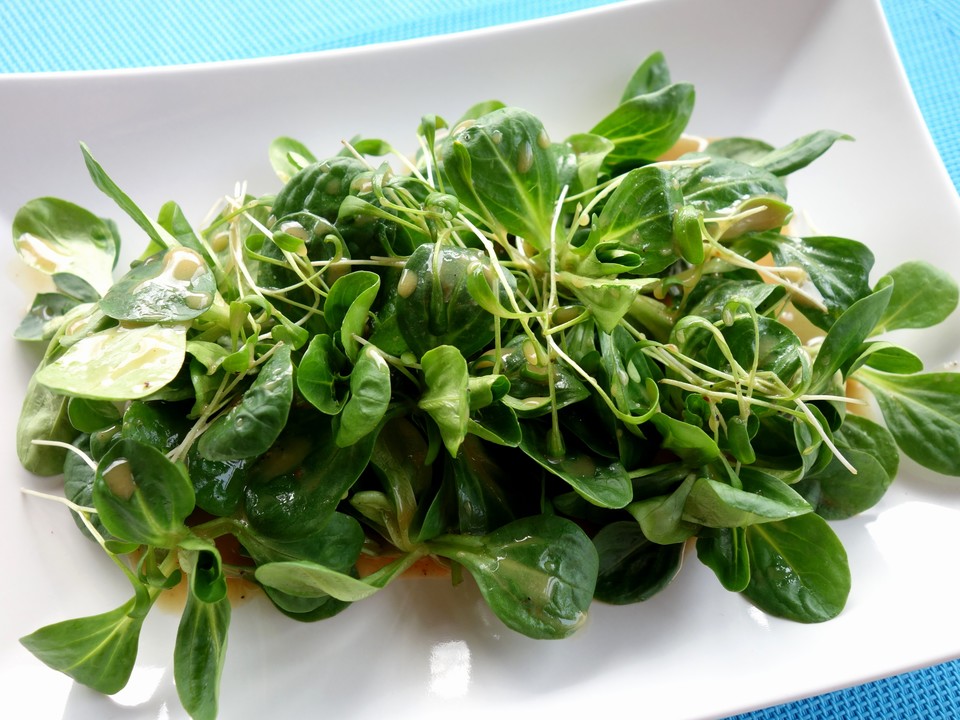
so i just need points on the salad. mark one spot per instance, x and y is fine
(553, 367)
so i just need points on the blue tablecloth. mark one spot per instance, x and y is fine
(53, 35)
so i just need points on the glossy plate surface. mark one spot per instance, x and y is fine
(423, 649)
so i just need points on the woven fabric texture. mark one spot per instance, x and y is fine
(56, 35)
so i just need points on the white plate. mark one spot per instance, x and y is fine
(423, 649)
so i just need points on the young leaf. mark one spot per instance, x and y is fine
(288, 157)
(369, 397)
(688, 442)
(347, 306)
(103, 181)
(652, 75)
(446, 399)
(886, 357)
(846, 336)
(335, 546)
(317, 374)
(43, 416)
(637, 218)
(661, 517)
(716, 504)
(302, 578)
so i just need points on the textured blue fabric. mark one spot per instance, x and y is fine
(38, 35)
(54, 35)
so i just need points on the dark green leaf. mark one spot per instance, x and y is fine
(503, 166)
(538, 574)
(249, 428)
(834, 491)
(838, 268)
(199, 653)
(297, 487)
(646, 126)
(602, 481)
(724, 550)
(434, 306)
(632, 569)
(798, 569)
(846, 336)
(799, 153)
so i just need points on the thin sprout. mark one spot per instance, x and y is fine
(825, 437)
(427, 159)
(548, 314)
(720, 395)
(501, 275)
(82, 511)
(221, 398)
(353, 151)
(553, 329)
(72, 448)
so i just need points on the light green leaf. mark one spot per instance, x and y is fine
(119, 363)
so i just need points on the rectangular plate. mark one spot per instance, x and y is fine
(422, 648)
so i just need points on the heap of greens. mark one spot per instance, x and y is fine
(559, 366)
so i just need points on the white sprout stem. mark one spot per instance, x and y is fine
(427, 159)
(825, 437)
(82, 512)
(72, 448)
(498, 269)
(551, 307)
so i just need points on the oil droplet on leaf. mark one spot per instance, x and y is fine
(119, 478)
